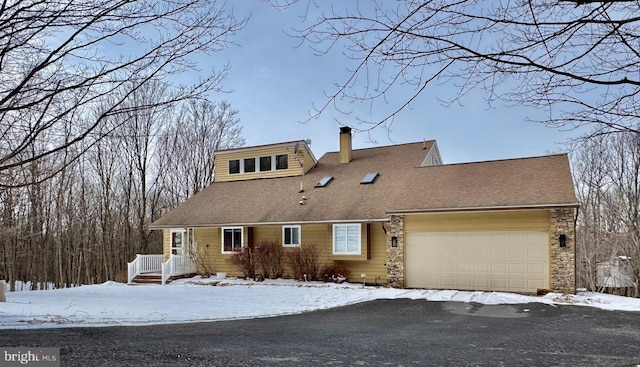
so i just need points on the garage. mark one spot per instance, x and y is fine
(513, 261)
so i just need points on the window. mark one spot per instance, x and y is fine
(259, 164)
(234, 166)
(369, 178)
(324, 181)
(177, 241)
(191, 241)
(231, 239)
(249, 165)
(282, 161)
(346, 239)
(291, 236)
(265, 163)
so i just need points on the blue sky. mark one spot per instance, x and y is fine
(276, 85)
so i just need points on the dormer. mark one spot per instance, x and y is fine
(432, 157)
(264, 161)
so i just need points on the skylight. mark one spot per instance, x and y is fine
(369, 178)
(324, 181)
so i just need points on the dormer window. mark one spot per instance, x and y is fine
(259, 164)
(234, 166)
(265, 163)
(249, 165)
(282, 161)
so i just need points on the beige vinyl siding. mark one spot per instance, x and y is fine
(374, 268)
(220, 262)
(217, 261)
(267, 234)
(522, 220)
(321, 235)
(318, 235)
(306, 158)
(433, 157)
(298, 163)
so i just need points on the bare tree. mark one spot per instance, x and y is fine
(86, 222)
(578, 60)
(607, 173)
(61, 60)
(595, 225)
(188, 144)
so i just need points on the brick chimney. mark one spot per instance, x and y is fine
(345, 144)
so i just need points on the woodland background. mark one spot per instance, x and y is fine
(99, 134)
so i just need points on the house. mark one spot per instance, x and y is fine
(393, 213)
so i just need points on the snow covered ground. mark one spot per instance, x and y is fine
(194, 300)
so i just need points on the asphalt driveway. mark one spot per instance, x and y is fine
(379, 333)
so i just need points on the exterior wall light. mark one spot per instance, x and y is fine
(562, 239)
(394, 241)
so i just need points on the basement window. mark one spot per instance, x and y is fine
(324, 181)
(369, 178)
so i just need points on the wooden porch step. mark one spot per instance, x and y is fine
(156, 278)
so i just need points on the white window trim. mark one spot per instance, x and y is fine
(255, 168)
(240, 164)
(299, 236)
(333, 239)
(191, 241)
(179, 250)
(257, 164)
(275, 162)
(222, 239)
(273, 165)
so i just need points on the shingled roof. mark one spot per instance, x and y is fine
(403, 186)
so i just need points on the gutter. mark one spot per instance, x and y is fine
(210, 225)
(372, 220)
(481, 208)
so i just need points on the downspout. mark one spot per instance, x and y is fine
(575, 250)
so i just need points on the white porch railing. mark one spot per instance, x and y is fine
(177, 265)
(144, 264)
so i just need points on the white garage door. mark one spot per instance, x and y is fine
(499, 261)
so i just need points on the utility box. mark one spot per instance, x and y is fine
(614, 273)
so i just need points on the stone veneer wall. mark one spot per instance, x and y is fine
(563, 259)
(395, 255)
